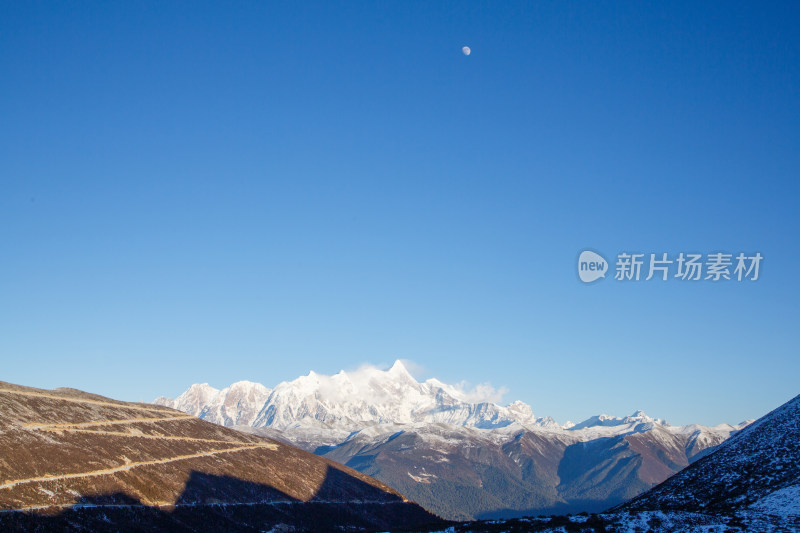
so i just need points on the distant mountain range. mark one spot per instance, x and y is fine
(757, 470)
(458, 456)
(72, 461)
(750, 483)
(348, 402)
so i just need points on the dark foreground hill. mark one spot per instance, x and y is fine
(757, 470)
(75, 461)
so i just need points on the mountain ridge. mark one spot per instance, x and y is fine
(458, 457)
(371, 396)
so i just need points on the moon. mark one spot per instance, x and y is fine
(466, 50)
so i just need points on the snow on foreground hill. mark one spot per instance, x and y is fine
(456, 452)
(757, 470)
(348, 402)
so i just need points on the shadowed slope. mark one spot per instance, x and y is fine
(62, 447)
(743, 472)
(223, 503)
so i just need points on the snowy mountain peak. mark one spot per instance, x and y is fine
(607, 421)
(248, 387)
(351, 401)
(369, 396)
(398, 368)
(193, 400)
(641, 417)
(399, 371)
(203, 389)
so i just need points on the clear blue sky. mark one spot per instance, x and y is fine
(192, 192)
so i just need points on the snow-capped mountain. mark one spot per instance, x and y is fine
(370, 396)
(238, 404)
(638, 417)
(454, 451)
(350, 401)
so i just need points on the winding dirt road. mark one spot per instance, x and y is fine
(81, 427)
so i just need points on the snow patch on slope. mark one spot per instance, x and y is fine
(783, 502)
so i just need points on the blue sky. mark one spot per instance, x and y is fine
(192, 192)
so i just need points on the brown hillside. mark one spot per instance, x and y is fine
(63, 450)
